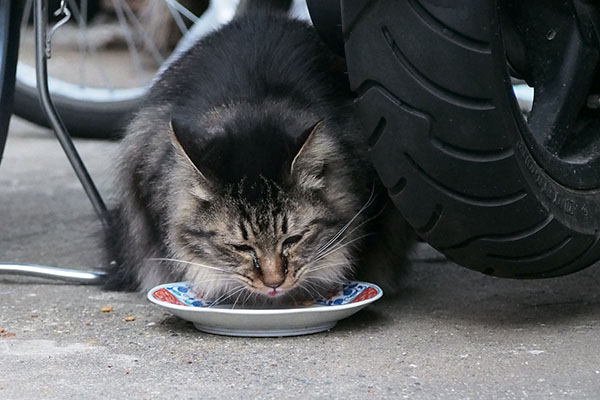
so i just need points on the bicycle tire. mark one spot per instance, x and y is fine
(85, 119)
(87, 112)
(447, 138)
(9, 35)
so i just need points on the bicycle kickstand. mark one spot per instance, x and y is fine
(42, 53)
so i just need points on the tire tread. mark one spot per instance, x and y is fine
(460, 185)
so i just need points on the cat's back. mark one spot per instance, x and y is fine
(258, 55)
(260, 67)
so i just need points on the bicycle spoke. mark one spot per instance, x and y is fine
(82, 23)
(135, 57)
(26, 14)
(87, 77)
(182, 10)
(144, 34)
(91, 47)
(177, 18)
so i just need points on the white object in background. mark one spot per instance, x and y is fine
(524, 95)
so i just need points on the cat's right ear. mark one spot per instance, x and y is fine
(189, 143)
(303, 143)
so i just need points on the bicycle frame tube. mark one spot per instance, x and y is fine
(41, 25)
(10, 16)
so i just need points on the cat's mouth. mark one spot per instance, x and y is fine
(275, 292)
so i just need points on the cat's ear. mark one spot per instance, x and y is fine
(190, 143)
(304, 143)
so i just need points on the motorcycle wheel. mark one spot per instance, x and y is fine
(493, 190)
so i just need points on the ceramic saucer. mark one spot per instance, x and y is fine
(319, 315)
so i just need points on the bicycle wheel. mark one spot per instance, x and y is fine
(9, 34)
(492, 190)
(100, 70)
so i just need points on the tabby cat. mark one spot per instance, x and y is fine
(245, 172)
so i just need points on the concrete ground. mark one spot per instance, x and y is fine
(453, 333)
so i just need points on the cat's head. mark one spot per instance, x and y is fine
(261, 209)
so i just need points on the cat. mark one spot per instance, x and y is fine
(245, 172)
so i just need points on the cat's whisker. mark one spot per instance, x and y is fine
(242, 278)
(322, 282)
(237, 298)
(347, 225)
(342, 245)
(187, 262)
(314, 288)
(215, 302)
(321, 290)
(255, 296)
(247, 297)
(325, 285)
(310, 294)
(293, 298)
(362, 224)
(331, 283)
(212, 280)
(328, 278)
(201, 290)
(239, 290)
(307, 271)
(318, 253)
(226, 295)
(324, 266)
(306, 289)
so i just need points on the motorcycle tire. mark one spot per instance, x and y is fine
(449, 142)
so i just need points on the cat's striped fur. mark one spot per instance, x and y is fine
(245, 172)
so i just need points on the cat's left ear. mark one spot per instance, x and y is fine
(304, 142)
(188, 143)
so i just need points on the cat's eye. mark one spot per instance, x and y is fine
(244, 248)
(290, 242)
(285, 246)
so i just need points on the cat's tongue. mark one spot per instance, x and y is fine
(273, 293)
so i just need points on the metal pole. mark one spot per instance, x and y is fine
(62, 274)
(41, 25)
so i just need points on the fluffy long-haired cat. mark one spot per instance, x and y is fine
(245, 172)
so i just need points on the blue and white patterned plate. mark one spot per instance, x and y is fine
(320, 315)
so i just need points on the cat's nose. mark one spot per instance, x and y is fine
(272, 272)
(273, 281)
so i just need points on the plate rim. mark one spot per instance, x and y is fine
(254, 311)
